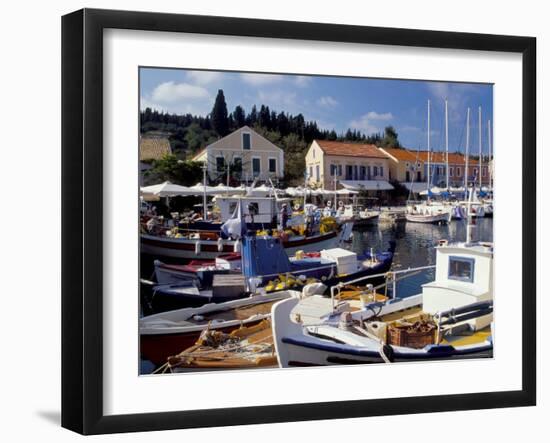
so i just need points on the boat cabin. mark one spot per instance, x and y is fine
(463, 275)
(264, 209)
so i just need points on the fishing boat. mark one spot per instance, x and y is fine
(265, 262)
(426, 212)
(199, 271)
(266, 267)
(166, 334)
(450, 318)
(361, 216)
(243, 348)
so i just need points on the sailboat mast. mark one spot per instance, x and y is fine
(490, 155)
(447, 145)
(429, 152)
(480, 159)
(204, 199)
(467, 156)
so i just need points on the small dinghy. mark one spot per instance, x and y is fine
(167, 333)
(243, 348)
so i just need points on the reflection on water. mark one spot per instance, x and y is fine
(415, 245)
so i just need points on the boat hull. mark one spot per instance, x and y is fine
(158, 347)
(433, 219)
(303, 353)
(187, 249)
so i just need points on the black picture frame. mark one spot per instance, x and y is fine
(82, 187)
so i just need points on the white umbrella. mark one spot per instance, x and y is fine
(165, 189)
(199, 189)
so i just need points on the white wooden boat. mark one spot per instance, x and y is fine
(428, 212)
(451, 318)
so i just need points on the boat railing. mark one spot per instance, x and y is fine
(392, 276)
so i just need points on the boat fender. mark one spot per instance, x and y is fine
(237, 246)
(220, 244)
(197, 247)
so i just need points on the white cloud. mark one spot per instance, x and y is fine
(456, 95)
(327, 101)
(186, 107)
(371, 122)
(277, 99)
(204, 77)
(302, 81)
(171, 92)
(379, 117)
(261, 79)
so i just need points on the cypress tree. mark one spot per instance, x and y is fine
(220, 121)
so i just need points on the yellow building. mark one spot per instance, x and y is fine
(405, 166)
(348, 165)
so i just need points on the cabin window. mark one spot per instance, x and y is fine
(232, 207)
(461, 268)
(220, 164)
(256, 169)
(253, 208)
(273, 165)
(246, 141)
(450, 172)
(458, 171)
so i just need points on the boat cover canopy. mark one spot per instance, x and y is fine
(367, 185)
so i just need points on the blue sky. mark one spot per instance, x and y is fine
(334, 102)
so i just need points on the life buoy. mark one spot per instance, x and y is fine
(296, 207)
(340, 204)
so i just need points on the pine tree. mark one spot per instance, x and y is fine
(239, 116)
(220, 121)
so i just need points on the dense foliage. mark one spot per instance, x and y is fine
(188, 133)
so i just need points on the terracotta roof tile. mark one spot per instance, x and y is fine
(153, 148)
(440, 157)
(402, 154)
(350, 149)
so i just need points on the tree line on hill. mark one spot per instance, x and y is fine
(190, 133)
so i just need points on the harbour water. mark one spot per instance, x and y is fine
(415, 245)
(414, 248)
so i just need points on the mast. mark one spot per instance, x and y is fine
(480, 159)
(429, 151)
(490, 155)
(204, 204)
(467, 156)
(446, 145)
